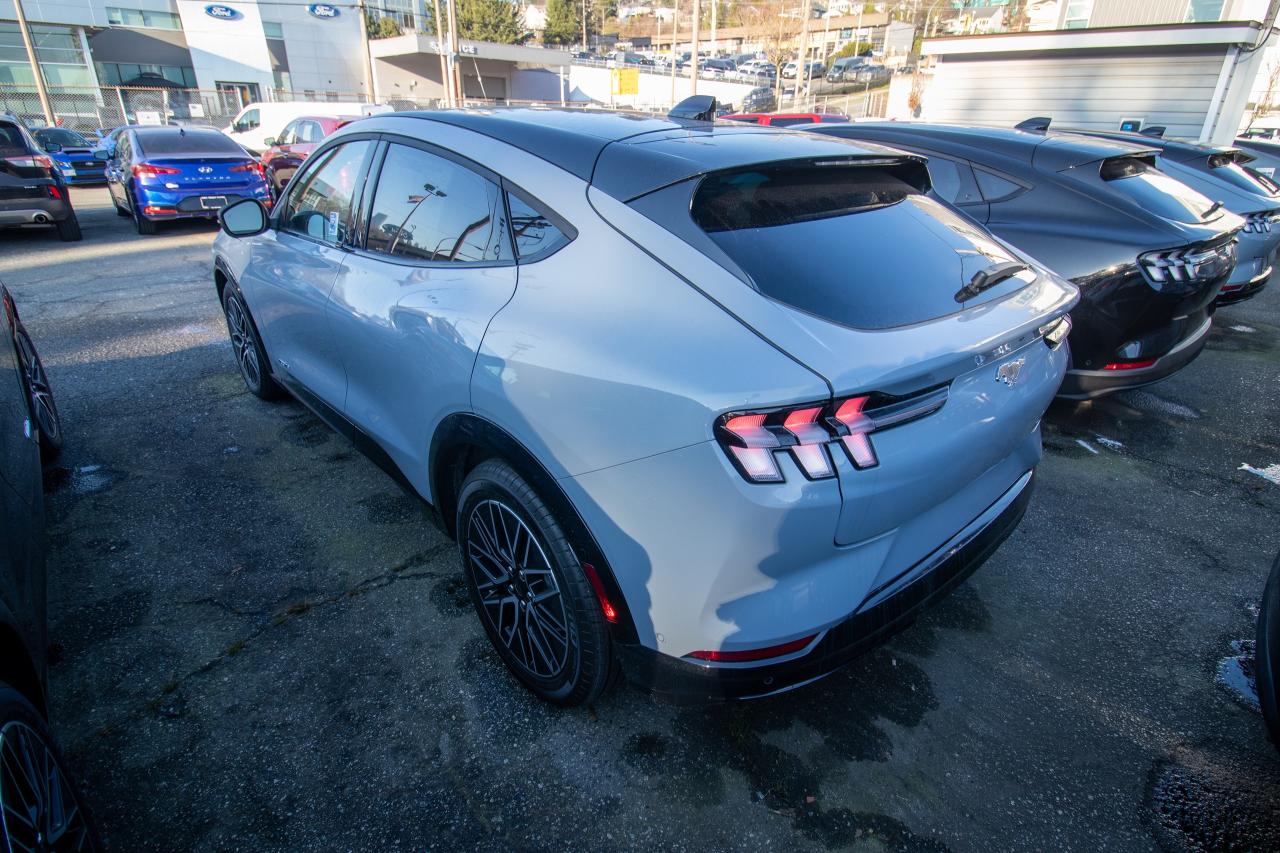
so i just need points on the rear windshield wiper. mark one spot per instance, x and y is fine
(989, 277)
(1214, 208)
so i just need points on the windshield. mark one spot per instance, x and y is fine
(858, 245)
(61, 136)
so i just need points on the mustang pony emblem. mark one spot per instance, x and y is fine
(1008, 372)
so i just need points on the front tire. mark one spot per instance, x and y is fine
(250, 355)
(40, 807)
(529, 590)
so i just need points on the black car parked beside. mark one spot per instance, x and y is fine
(1148, 253)
(32, 190)
(40, 807)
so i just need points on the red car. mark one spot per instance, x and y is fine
(784, 119)
(298, 139)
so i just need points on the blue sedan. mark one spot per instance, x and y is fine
(72, 154)
(161, 173)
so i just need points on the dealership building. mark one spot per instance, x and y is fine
(244, 48)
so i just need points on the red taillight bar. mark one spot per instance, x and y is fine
(141, 170)
(744, 655)
(856, 442)
(1129, 365)
(251, 166)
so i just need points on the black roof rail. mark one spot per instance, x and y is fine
(1156, 130)
(1037, 124)
(695, 108)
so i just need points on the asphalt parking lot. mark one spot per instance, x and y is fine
(260, 643)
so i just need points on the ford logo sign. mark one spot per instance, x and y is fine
(222, 13)
(323, 10)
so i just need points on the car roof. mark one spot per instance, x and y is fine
(627, 155)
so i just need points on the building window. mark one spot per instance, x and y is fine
(1199, 11)
(128, 74)
(57, 49)
(283, 82)
(1077, 14)
(273, 29)
(143, 18)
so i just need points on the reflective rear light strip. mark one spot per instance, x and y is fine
(806, 432)
(744, 655)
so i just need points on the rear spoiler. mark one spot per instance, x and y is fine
(1155, 130)
(695, 108)
(1036, 124)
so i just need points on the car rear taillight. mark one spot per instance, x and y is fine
(1189, 264)
(54, 192)
(752, 440)
(251, 166)
(141, 170)
(34, 161)
(1260, 222)
(157, 210)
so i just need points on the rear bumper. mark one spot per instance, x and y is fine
(191, 204)
(33, 212)
(1087, 384)
(885, 613)
(1247, 290)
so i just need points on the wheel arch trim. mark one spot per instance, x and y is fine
(465, 437)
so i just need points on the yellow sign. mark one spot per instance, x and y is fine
(625, 81)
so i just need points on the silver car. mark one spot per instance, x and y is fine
(720, 406)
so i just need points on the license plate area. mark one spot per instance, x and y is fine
(213, 202)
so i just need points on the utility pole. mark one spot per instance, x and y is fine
(445, 82)
(802, 70)
(675, 28)
(368, 56)
(455, 72)
(35, 64)
(715, 47)
(693, 51)
(584, 24)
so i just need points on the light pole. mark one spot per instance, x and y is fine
(693, 55)
(445, 82)
(36, 72)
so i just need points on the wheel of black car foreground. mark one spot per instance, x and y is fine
(39, 396)
(69, 229)
(40, 807)
(530, 592)
(1268, 663)
(251, 358)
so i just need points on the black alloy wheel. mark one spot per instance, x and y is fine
(250, 356)
(39, 396)
(533, 598)
(41, 811)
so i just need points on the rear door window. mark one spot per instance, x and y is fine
(996, 188)
(536, 234)
(861, 246)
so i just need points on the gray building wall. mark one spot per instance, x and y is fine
(1173, 88)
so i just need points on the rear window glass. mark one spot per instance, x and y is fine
(1247, 180)
(860, 246)
(191, 142)
(11, 138)
(61, 136)
(1155, 191)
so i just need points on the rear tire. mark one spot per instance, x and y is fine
(145, 226)
(33, 778)
(69, 229)
(44, 412)
(529, 590)
(247, 348)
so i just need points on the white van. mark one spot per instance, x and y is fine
(260, 121)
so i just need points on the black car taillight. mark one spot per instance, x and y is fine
(1261, 222)
(1197, 264)
(808, 432)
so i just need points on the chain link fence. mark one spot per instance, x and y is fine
(92, 108)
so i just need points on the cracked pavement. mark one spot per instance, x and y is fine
(261, 643)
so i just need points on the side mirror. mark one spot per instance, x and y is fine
(52, 147)
(270, 141)
(102, 154)
(244, 218)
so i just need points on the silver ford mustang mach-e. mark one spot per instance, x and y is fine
(720, 406)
